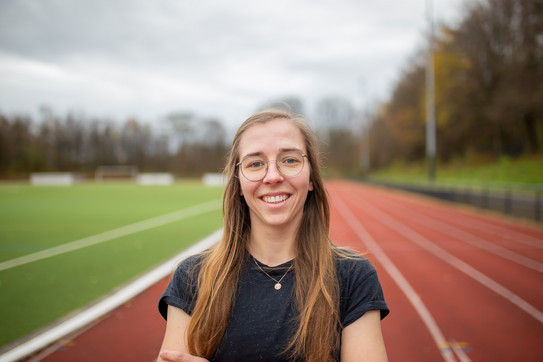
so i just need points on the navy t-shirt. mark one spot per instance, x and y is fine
(264, 318)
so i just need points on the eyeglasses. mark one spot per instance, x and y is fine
(289, 164)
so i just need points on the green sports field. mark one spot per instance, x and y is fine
(35, 218)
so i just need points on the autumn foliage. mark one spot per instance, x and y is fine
(488, 84)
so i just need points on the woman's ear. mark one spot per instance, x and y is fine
(310, 185)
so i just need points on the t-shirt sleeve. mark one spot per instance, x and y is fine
(360, 290)
(182, 290)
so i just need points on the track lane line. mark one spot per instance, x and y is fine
(457, 263)
(480, 225)
(113, 234)
(398, 278)
(466, 237)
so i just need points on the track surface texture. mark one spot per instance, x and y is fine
(461, 285)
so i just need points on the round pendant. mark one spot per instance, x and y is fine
(277, 286)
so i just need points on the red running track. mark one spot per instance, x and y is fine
(461, 285)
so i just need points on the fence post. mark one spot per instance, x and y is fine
(484, 198)
(508, 200)
(537, 207)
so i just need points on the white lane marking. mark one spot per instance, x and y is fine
(444, 255)
(489, 228)
(113, 234)
(468, 238)
(502, 232)
(397, 276)
(107, 305)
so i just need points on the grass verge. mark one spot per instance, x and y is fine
(36, 218)
(473, 170)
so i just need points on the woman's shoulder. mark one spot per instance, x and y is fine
(190, 265)
(193, 259)
(350, 264)
(359, 286)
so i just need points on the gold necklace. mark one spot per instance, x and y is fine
(277, 285)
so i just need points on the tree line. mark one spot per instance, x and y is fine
(488, 92)
(489, 89)
(182, 143)
(187, 145)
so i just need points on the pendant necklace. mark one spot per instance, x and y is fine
(277, 282)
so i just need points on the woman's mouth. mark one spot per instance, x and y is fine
(275, 199)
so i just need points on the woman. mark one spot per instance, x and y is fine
(274, 288)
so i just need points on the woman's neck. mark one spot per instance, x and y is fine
(272, 246)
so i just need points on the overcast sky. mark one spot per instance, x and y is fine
(222, 59)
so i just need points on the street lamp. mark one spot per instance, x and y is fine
(430, 98)
(365, 128)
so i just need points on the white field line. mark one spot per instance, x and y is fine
(466, 237)
(107, 305)
(398, 278)
(113, 234)
(444, 255)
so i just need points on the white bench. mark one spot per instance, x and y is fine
(52, 179)
(214, 179)
(151, 179)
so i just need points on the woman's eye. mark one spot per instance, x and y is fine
(290, 161)
(255, 164)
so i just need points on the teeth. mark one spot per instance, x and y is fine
(275, 199)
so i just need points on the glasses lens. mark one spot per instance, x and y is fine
(254, 168)
(290, 163)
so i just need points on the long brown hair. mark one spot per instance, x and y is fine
(316, 288)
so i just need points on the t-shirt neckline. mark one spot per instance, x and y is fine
(278, 269)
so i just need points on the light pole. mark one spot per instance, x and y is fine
(430, 98)
(365, 128)
(366, 159)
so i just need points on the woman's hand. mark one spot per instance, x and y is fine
(176, 356)
(174, 348)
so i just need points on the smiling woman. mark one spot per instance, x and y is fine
(274, 279)
(275, 200)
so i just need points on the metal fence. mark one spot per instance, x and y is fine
(517, 199)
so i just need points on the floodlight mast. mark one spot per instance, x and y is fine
(365, 128)
(430, 97)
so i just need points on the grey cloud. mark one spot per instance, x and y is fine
(151, 55)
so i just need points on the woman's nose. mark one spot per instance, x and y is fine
(273, 175)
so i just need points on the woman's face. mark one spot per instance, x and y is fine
(276, 200)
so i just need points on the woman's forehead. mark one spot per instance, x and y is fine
(272, 136)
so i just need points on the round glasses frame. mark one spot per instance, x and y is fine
(277, 164)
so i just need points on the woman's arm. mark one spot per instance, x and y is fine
(174, 346)
(363, 339)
